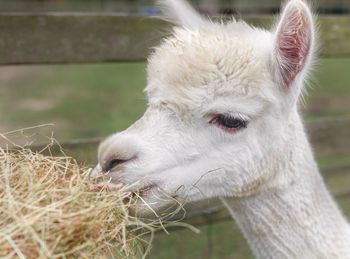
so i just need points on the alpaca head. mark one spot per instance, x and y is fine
(221, 101)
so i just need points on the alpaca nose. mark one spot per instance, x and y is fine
(117, 151)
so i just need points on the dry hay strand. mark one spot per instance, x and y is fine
(50, 208)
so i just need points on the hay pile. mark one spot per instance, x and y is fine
(49, 208)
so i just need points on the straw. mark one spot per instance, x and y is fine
(51, 208)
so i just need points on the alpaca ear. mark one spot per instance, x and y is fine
(181, 13)
(293, 45)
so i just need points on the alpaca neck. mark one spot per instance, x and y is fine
(297, 220)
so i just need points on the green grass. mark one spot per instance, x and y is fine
(328, 93)
(216, 241)
(81, 100)
(96, 100)
(333, 160)
(332, 77)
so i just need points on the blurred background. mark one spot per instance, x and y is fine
(92, 99)
(108, 97)
(147, 7)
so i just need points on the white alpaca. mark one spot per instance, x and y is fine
(223, 121)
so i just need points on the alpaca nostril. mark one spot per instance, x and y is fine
(113, 162)
(117, 150)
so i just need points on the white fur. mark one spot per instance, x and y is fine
(180, 12)
(265, 173)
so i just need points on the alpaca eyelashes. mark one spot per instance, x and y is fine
(228, 122)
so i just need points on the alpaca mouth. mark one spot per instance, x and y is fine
(137, 195)
(132, 191)
(140, 200)
(142, 192)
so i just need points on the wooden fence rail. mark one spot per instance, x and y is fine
(89, 38)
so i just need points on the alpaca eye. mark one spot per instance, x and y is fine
(228, 123)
